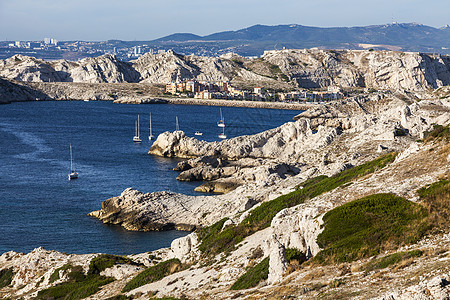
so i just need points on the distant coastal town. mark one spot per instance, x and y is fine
(224, 90)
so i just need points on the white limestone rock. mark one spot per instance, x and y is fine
(185, 248)
(121, 271)
(277, 261)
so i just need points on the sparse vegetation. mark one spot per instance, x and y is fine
(153, 274)
(253, 276)
(6, 276)
(436, 199)
(78, 286)
(439, 132)
(215, 240)
(391, 259)
(295, 254)
(366, 226)
(104, 261)
(55, 274)
(119, 297)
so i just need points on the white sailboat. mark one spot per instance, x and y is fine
(150, 135)
(177, 127)
(136, 137)
(221, 122)
(198, 133)
(72, 174)
(222, 135)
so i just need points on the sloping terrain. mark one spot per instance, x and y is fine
(383, 178)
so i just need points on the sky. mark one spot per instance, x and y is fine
(98, 20)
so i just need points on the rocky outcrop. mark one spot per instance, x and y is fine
(284, 143)
(139, 211)
(277, 261)
(102, 69)
(373, 69)
(385, 70)
(11, 91)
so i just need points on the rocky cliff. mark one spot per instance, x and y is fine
(322, 141)
(286, 69)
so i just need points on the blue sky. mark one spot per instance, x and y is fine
(149, 19)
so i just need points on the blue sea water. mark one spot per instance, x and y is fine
(39, 206)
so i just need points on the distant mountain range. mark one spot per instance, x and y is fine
(255, 39)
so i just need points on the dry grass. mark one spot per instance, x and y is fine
(314, 274)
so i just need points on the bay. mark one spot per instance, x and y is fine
(39, 206)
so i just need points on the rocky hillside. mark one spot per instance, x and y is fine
(349, 201)
(285, 69)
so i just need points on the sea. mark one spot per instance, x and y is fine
(40, 207)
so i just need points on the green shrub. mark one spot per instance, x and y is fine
(6, 276)
(435, 189)
(105, 261)
(78, 286)
(153, 274)
(295, 254)
(439, 132)
(436, 199)
(391, 259)
(253, 276)
(55, 274)
(216, 241)
(366, 226)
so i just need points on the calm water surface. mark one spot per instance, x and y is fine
(39, 206)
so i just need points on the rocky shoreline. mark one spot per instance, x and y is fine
(260, 225)
(240, 166)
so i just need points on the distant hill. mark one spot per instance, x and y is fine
(255, 39)
(180, 37)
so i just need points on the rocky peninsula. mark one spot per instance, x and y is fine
(349, 200)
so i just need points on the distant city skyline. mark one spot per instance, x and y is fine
(99, 20)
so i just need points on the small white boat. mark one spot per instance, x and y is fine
(136, 137)
(221, 122)
(198, 133)
(72, 174)
(222, 135)
(150, 135)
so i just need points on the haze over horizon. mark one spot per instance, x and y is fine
(148, 20)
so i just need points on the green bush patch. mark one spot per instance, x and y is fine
(436, 199)
(216, 241)
(105, 261)
(253, 276)
(55, 274)
(439, 132)
(366, 226)
(153, 274)
(78, 286)
(391, 259)
(6, 276)
(295, 254)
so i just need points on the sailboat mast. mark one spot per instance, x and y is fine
(71, 168)
(151, 124)
(177, 126)
(138, 127)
